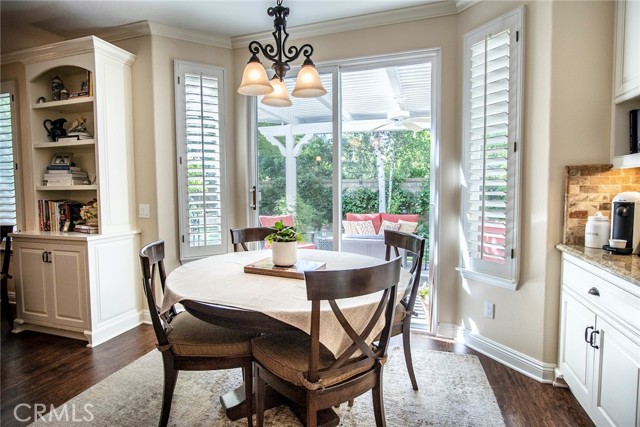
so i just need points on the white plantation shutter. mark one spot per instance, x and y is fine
(7, 178)
(492, 151)
(200, 119)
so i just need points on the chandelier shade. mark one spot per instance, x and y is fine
(308, 83)
(254, 79)
(279, 97)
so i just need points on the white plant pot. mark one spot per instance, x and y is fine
(284, 254)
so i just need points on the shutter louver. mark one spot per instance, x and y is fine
(487, 225)
(7, 178)
(203, 160)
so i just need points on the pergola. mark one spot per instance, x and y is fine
(394, 98)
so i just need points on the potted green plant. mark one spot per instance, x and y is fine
(284, 244)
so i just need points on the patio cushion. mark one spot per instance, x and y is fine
(388, 225)
(397, 217)
(407, 227)
(365, 227)
(270, 221)
(190, 336)
(374, 218)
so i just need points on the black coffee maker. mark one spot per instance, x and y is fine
(625, 219)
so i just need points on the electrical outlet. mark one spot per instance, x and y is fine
(489, 307)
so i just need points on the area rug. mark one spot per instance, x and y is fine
(454, 391)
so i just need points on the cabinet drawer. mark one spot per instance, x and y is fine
(614, 301)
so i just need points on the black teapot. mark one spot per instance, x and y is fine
(55, 130)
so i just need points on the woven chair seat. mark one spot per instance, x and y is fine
(286, 354)
(190, 336)
(400, 313)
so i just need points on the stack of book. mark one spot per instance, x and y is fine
(87, 229)
(58, 215)
(65, 175)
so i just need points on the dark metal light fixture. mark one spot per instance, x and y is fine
(254, 78)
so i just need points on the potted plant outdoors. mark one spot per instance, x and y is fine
(284, 245)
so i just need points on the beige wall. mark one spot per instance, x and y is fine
(566, 121)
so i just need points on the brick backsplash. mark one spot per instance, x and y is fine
(590, 188)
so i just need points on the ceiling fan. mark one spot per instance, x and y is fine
(402, 118)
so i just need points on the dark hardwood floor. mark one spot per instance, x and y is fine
(45, 369)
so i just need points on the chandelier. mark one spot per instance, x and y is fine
(254, 78)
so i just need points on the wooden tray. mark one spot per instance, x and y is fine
(265, 266)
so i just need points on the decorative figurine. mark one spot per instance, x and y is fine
(56, 87)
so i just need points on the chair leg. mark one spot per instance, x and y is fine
(170, 378)
(406, 343)
(248, 392)
(378, 402)
(6, 307)
(312, 410)
(260, 394)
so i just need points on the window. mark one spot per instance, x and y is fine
(200, 138)
(492, 147)
(8, 206)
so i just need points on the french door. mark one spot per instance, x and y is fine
(364, 147)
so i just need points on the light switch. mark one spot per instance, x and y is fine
(144, 211)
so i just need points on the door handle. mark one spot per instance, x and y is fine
(253, 192)
(592, 339)
(44, 256)
(49, 258)
(587, 335)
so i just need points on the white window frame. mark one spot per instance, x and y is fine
(187, 252)
(10, 88)
(505, 275)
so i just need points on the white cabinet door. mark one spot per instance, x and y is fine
(68, 285)
(31, 276)
(51, 283)
(576, 360)
(627, 66)
(616, 401)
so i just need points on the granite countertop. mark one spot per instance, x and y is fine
(624, 266)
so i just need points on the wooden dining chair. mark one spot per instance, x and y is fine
(187, 343)
(413, 247)
(299, 367)
(241, 236)
(4, 278)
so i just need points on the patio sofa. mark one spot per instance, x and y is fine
(364, 233)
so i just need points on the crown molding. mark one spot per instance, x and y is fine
(144, 28)
(416, 13)
(67, 48)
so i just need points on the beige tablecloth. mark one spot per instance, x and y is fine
(221, 280)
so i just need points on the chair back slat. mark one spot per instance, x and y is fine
(241, 236)
(413, 245)
(332, 285)
(152, 266)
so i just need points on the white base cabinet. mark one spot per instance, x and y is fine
(600, 342)
(77, 286)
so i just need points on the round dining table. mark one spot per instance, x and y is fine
(217, 289)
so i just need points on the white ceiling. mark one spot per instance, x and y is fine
(26, 23)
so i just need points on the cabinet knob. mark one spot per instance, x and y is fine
(594, 291)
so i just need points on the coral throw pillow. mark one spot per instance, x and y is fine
(398, 217)
(270, 221)
(374, 218)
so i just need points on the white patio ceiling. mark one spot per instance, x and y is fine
(370, 98)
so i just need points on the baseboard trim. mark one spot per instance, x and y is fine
(533, 368)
